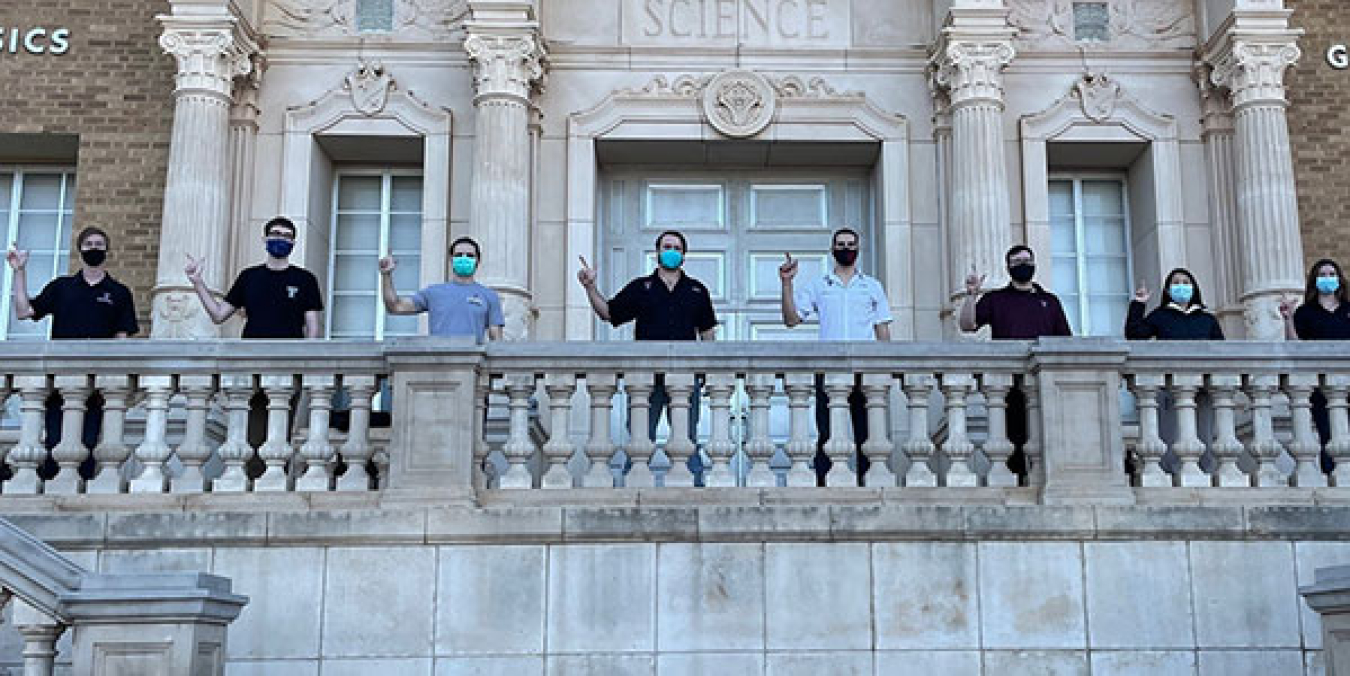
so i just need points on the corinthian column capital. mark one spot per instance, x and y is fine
(971, 70)
(1254, 71)
(505, 65)
(210, 53)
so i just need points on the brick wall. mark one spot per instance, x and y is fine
(1319, 126)
(113, 88)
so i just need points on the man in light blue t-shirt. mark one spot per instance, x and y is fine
(460, 307)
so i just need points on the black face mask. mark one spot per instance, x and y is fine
(845, 257)
(93, 257)
(1022, 272)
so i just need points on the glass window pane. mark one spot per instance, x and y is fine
(6, 191)
(358, 232)
(407, 273)
(1107, 274)
(359, 193)
(789, 206)
(684, 206)
(400, 325)
(1070, 303)
(405, 232)
(355, 273)
(22, 329)
(1105, 235)
(1103, 198)
(1063, 238)
(38, 232)
(1066, 275)
(407, 195)
(1061, 199)
(42, 268)
(354, 315)
(1107, 315)
(41, 192)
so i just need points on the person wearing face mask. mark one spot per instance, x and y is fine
(1324, 315)
(88, 304)
(1022, 310)
(279, 300)
(461, 307)
(850, 306)
(665, 305)
(1180, 316)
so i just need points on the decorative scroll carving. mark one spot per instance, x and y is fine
(209, 57)
(786, 87)
(739, 103)
(508, 65)
(1254, 71)
(971, 71)
(337, 18)
(1134, 24)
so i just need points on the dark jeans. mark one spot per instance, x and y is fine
(857, 413)
(93, 424)
(1017, 430)
(1322, 420)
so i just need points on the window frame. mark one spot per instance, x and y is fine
(1082, 311)
(387, 173)
(61, 261)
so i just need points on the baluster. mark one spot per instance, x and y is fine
(40, 633)
(760, 447)
(720, 447)
(958, 447)
(1338, 447)
(919, 447)
(276, 451)
(1265, 449)
(640, 447)
(236, 389)
(801, 449)
(519, 446)
(484, 475)
(1188, 445)
(317, 452)
(1227, 448)
(1151, 447)
(112, 449)
(356, 450)
(558, 449)
(877, 448)
(154, 451)
(1305, 447)
(997, 448)
(600, 447)
(1031, 451)
(26, 455)
(194, 451)
(5, 391)
(70, 451)
(840, 446)
(679, 448)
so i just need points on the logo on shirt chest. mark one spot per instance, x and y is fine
(291, 291)
(474, 300)
(106, 298)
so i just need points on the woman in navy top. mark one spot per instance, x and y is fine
(1324, 315)
(1181, 315)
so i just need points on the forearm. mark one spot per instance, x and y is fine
(313, 326)
(393, 304)
(598, 302)
(214, 309)
(789, 306)
(23, 306)
(1290, 332)
(966, 318)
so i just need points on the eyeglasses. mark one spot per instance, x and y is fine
(851, 247)
(280, 234)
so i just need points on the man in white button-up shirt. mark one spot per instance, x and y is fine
(849, 305)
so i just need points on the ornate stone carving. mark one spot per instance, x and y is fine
(739, 103)
(792, 87)
(369, 86)
(209, 57)
(505, 65)
(1097, 94)
(177, 316)
(337, 18)
(971, 71)
(690, 86)
(1134, 24)
(1254, 71)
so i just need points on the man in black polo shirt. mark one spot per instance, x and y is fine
(667, 305)
(85, 305)
(1022, 310)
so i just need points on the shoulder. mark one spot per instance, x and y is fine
(119, 288)
(304, 274)
(488, 292)
(1303, 312)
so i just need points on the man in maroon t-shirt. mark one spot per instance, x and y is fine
(1022, 310)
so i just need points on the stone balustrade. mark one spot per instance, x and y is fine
(1097, 420)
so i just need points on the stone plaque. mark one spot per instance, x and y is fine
(731, 23)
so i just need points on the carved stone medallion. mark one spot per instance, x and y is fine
(1098, 94)
(739, 103)
(369, 85)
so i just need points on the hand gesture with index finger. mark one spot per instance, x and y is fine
(194, 267)
(586, 275)
(974, 280)
(17, 259)
(788, 270)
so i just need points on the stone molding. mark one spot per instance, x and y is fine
(1097, 98)
(210, 54)
(1254, 71)
(505, 66)
(1135, 25)
(419, 19)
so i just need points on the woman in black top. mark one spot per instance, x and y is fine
(1324, 315)
(1180, 316)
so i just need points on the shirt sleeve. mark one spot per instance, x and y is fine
(984, 311)
(807, 299)
(495, 317)
(126, 319)
(623, 308)
(313, 298)
(236, 295)
(1301, 324)
(707, 317)
(1061, 327)
(45, 302)
(1137, 326)
(1216, 329)
(420, 300)
(882, 314)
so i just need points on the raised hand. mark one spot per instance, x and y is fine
(788, 269)
(1287, 306)
(17, 259)
(194, 268)
(586, 275)
(387, 265)
(974, 280)
(1141, 294)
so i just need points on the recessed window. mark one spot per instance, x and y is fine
(1091, 22)
(36, 210)
(1090, 229)
(374, 16)
(377, 214)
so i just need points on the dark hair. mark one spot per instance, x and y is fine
(1196, 298)
(90, 232)
(1016, 249)
(1310, 291)
(684, 246)
(280, 221)
(844, 231)
(477, 251)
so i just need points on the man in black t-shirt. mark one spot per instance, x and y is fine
(279, 300)
(89, 304)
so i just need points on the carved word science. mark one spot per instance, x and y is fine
(750, 20)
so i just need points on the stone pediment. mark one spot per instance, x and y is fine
(328, 19)
(1132, 25)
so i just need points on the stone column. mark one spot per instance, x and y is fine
(507, 56)
(967, 66)
(1251, 64)
(1217, 135)
(211, 49)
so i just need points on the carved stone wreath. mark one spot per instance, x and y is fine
(739, 103)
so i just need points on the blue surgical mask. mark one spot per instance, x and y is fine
(1328, 285)
(279, 248)
(671, 259)
(1181, 293)
(464, 265)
